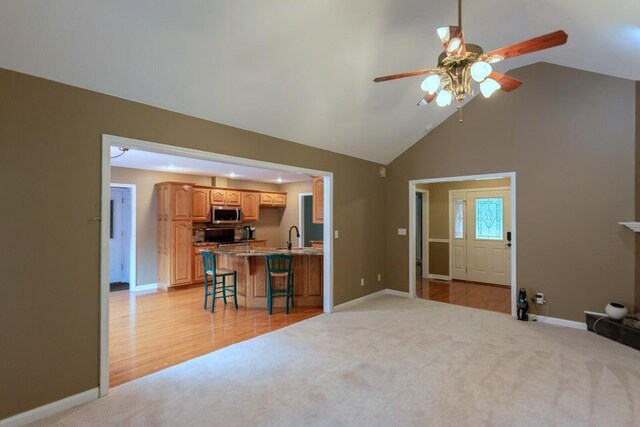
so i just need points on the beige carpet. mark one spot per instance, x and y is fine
(391, 361)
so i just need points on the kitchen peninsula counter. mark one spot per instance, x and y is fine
(249, 263)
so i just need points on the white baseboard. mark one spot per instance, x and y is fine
(370, 297)
(440, 277)
(559, 322)
(397, 293)
(148, 287)
(50, 409)
(359, 300)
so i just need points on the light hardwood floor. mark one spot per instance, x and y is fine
(469, 294)
(150, 331)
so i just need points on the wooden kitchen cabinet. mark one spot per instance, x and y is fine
(180, 252)
(180, 201)
(277, 200)
(221, 197)
(174, 229)
(218, 197)
(318, 200)
(250, 206)
(233, 198)
(200, 206)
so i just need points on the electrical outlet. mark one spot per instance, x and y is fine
(361, 282)
(379, 277)
(336, 234)
(538, 298)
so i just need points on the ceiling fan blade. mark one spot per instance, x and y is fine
(452, 40)
(507, 83)
(546, 41)
(403, 75)
(427, 98)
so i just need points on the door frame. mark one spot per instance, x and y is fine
(131, 188)
(412, 226)
(466, 190)
(119, 141)
(425, 232)
(301, 197)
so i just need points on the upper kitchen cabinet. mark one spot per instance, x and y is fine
(180, 201)
(250, 206)
(200, 206)
(278, 200)
(318, 200)
(220, 197)
(234, 198)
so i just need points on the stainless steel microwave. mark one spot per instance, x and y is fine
(225, 215)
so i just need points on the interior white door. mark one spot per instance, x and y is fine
(488, 249)
(117, 242)
(458, 235)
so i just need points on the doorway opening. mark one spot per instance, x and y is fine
(462, 246)
(310, 228)
(122, 237)
(190, 202)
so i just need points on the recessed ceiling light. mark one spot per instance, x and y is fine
(232, 175)
(171, 167)
(280, 179)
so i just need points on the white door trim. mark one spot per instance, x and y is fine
(425, 232)
(412, 227)
(132, 232)
(301, 216)
(108, 141)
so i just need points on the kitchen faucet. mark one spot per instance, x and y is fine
(297, 235)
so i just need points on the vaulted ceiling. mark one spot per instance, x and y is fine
(298, 70)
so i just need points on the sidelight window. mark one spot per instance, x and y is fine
(458, 218)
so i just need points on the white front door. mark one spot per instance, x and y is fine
(118, 242)
(489, 225)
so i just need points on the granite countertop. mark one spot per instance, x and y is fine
(248, 251)
(239, 242)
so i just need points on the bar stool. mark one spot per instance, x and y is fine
(211, 276)
(279, 265)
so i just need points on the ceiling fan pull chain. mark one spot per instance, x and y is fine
(460, 111)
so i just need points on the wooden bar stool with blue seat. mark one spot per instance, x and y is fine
(279, 266)
(211, 275)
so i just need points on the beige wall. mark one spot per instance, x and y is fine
(439, 217)
(569, 136)
(50, 145)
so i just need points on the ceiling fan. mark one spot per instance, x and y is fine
(461, 62)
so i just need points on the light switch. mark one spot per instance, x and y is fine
(335, 234)
(402, 231)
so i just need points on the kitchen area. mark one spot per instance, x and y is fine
(225, 221)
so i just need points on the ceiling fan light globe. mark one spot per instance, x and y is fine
(444, 98)
(480, 70)
(489, 86)
(431, 84)
(443, 33)
(454, 44)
